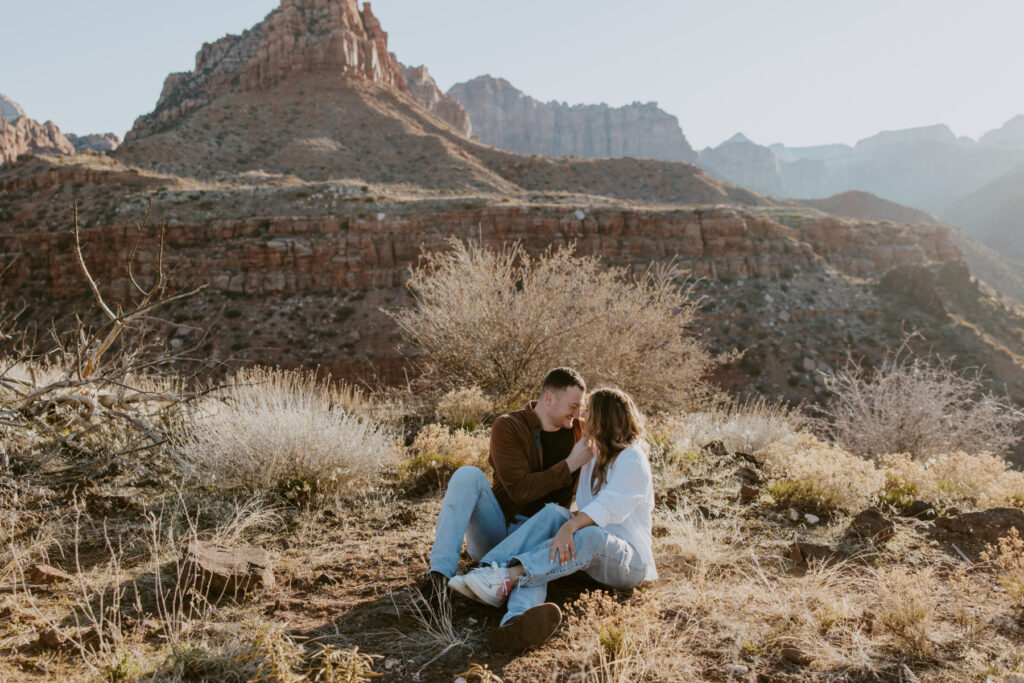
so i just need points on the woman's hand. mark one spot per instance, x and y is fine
(562, 545)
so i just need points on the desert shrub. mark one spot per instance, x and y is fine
(910, 404)
(466, 407)
(500, 319)
(962, 479)
(290, 434)
(741, 427)
(810, 474)
(437, 452)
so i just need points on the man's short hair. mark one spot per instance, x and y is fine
(562, 378)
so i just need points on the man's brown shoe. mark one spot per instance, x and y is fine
(529, 629)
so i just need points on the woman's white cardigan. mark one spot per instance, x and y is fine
(624, 505)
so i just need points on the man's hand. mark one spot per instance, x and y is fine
(581, 454)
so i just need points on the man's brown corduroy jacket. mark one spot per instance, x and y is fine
(519, 477)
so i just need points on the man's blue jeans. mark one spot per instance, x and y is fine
(469, 511)
(604, 557)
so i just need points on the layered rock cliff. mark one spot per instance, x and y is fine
(508, 119)
(422, 87)
(301, 37)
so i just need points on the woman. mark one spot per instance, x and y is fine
(609, 538)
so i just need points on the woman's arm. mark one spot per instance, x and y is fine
(625, 488)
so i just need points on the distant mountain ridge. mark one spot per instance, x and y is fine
(507, 118)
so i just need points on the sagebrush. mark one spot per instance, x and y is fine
(500, 319)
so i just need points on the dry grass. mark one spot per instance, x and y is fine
(500, 319)
(465, 408)
(437, 452)
(289, 434)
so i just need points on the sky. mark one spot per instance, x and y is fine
(800, 72)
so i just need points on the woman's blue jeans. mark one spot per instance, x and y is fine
(469, 511)
(604, 557)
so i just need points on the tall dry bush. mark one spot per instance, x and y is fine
(917, 405)
(288, 433)
(500, 319)
(742, 427)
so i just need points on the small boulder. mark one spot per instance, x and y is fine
(749, 476)
(792, 653)
(802, 554)
(716, 447)
(972, 531)
(219, 570)
(52, 639)
(45, 575)
(920, 509)
(749, 494)
(871, 523)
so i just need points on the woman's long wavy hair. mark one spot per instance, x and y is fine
(613, 422)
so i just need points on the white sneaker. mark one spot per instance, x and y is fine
(458, 584)
(490, 585)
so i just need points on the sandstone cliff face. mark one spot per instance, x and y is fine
(25, 135)
(424, 90)
(96, 142)
(508, 119)
(330, 37)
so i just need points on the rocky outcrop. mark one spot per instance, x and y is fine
(509, 119)
(96, 142)
(299, 37)
(424, 90)
(9, 109)
(25, 135)
(940, 134)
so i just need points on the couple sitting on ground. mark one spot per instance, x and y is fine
(520, 529)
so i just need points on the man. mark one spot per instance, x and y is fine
(536, 454)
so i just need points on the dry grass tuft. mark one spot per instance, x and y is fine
(1007, 559)
(437, 452)
(465, 408)
(288, 434)
(741, 427)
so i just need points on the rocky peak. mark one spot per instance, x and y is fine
(424, 90)
(1009, 136)
(299, 37)
(939, 133)
(9, 109)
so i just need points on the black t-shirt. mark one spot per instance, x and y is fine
(554, 448)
